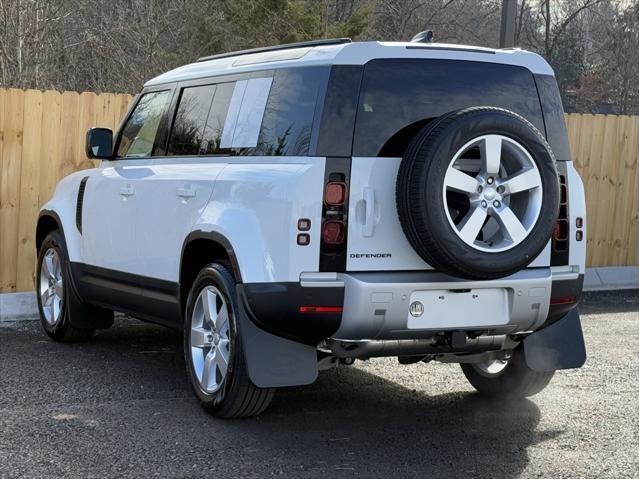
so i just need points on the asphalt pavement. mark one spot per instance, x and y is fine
(120, 406)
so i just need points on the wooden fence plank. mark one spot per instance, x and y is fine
(10, 187)
(607, 190)
(69, 124)
(86, 121)
(29, 188)
(632, 235)
(3, 94)
(51, 146)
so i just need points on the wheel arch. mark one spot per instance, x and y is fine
(48, 221)
(201, 248)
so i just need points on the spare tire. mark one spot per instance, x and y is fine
(478, 193)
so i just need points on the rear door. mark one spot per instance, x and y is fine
(397, 98)
(212, 121)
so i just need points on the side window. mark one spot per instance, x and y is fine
(138, 138)
(288, 117)
(190, 120)
(398, 96)
(211, 142)
(265, 116)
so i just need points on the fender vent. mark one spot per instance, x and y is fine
(78, 206)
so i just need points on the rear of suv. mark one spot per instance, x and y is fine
(298, 207)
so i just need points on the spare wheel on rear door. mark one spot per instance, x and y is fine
(478, 193)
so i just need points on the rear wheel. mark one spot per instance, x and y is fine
(213, 348)
(511, 377)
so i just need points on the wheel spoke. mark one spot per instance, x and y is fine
(221, 359)
(49, 308)
(491, 154)
(48, 265)
(524, 181)
(471, 225)
(55, 265)
(210, 308)
(511, 224)
(55, 308)
(208, 372)
(59, 289)
(199, 338)
(44, 297)
(222, 319)
(460, 181)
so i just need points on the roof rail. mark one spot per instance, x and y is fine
(312, 43)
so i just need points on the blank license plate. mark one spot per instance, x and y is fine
(444, 309)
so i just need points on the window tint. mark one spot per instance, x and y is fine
(398, 94)
(190, 120)
(288, 117)
(139, 135)
(268, 115)
(216, 119)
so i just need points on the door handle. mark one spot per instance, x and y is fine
(369, 214)
(127, 191)
(186, 192)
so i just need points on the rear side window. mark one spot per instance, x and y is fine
(140, 134)
(288, 118)
(211, 144)
(190, 120)
(268, 115)
(200, 120)
(399, 96)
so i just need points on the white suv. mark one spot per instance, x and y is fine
(298, 207)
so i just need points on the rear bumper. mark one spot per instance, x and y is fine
(376, 305)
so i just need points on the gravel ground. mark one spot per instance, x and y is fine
(121, 406)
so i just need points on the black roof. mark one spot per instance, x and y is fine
(312, 43)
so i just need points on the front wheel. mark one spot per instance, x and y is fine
(213, 348)
(55, 296)
(511, 378)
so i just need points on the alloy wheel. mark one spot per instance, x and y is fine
(51, 288)
(210, 339)
(492, 193)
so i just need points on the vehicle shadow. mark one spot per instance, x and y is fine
(349, 422)
(353, 420)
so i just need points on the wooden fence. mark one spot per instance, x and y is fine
(42, 140)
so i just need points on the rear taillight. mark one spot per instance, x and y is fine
(334, 226)
(561, 233)
(335, 193)
(333, 232)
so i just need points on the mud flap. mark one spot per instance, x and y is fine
(559, 346)
(81, 314)
(273, 361)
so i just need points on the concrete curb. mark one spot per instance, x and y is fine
(18, 306)
(22, 306)
(611, 278)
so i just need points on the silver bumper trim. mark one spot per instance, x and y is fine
(376, 304)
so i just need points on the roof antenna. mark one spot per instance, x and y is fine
(423, 37)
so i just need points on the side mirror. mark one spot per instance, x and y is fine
(99, 144)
